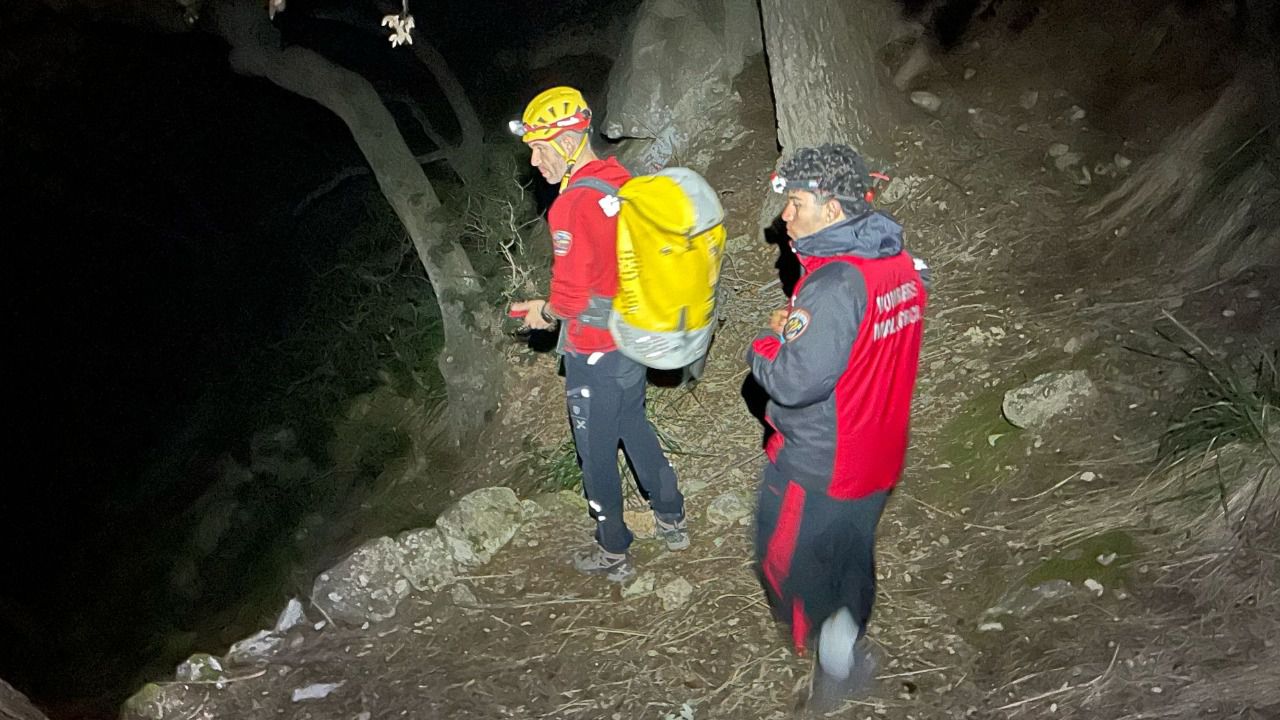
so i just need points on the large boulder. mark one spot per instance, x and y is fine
(1052, 394)
(428, 565)
(15, 705)
(479, 524)
(672, 84)
(366, 586)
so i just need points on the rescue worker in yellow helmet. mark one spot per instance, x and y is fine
(555, 127)
(604, 389)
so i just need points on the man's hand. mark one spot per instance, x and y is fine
(532, 312)
(778, 320)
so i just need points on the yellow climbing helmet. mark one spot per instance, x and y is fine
(551, 113)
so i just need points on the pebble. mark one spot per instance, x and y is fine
(1066, 160)
(926, 101)
(1029, 99)
(969, 73)
(1228, 313)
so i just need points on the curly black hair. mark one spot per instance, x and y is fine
(839, 172)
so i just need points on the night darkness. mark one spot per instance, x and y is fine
(150, 195)
(182, 238)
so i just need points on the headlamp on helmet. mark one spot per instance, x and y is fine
(551, 113)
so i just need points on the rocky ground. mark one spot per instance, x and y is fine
(1025, 572)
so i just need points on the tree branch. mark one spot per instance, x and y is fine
(356, 171)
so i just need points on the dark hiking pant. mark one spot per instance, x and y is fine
(605, 394)
(815, 554)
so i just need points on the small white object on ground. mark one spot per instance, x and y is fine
(316, 691)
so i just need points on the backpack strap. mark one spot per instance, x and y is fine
(594, 183)
(598, 308)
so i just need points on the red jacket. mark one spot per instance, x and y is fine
(584, 241)
(841, 375)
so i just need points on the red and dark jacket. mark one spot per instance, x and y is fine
(841, 376)
(585, 265)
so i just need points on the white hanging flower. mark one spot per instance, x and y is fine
(401, 27)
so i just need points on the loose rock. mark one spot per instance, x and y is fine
(258, 647)
(1066, 161)
(1033, 405)
(462, 596)
(900, 188)
(727, 509)
(642, 585)
(316, 691)
(291, 616)
(200, 667)
(675, 593)
(926, 101)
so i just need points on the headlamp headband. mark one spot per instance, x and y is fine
(781, 185)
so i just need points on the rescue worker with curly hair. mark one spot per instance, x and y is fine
(839, 366)
(604, 390)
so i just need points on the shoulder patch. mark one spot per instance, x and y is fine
(797, 322)
(561, 241)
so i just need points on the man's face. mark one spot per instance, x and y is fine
(549, 162)
(805, 215)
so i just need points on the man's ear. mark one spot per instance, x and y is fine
(832, 210)
(569, 142)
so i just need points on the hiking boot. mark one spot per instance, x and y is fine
(674, 534)
(616, 567)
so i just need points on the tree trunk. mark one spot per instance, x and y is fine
(469, 367)
(826, 76)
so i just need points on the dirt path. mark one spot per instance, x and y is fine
(983, 509)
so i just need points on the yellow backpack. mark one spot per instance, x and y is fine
(670, 244)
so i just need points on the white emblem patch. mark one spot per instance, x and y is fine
(610, 205)
(561, 241)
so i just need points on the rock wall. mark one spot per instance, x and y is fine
(672, 85)
(15, 706)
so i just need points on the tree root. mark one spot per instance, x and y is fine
(1174, 179)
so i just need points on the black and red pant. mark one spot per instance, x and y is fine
(815, 554)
